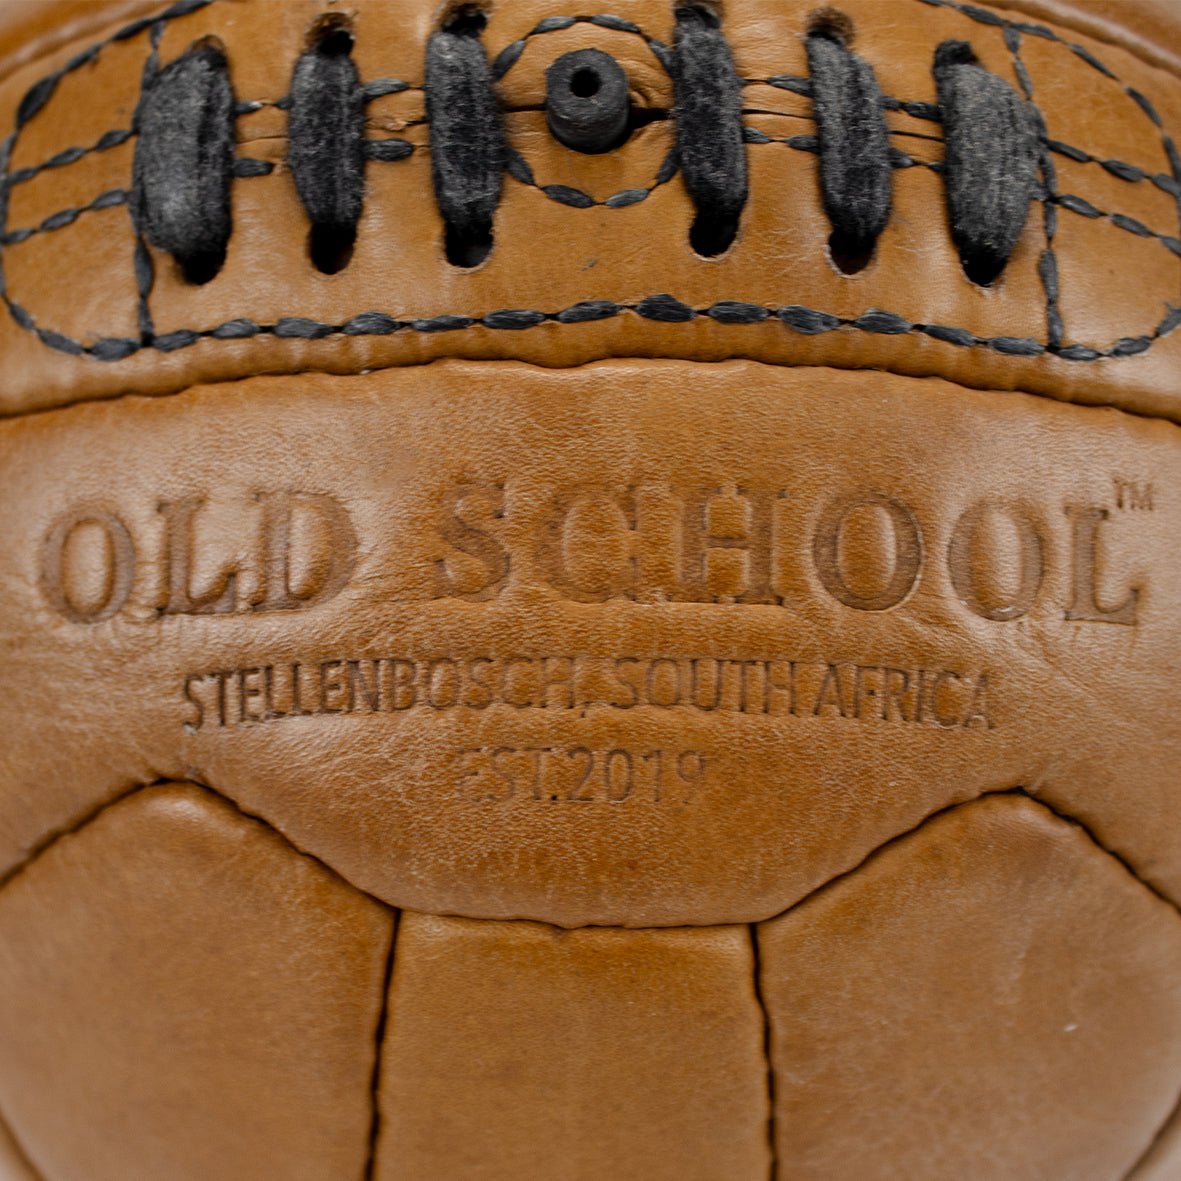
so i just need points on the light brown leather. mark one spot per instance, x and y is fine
(627, 749)
(520, 1050)
(182, 987)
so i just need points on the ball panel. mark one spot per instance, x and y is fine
(645, 643)
(177, 979)
(993, 996)
(520, 1052)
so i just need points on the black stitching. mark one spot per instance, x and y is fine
(662, 308)
(518, 168)
(65, 217)
(511, 53)
(106, 141)
(1047, 264)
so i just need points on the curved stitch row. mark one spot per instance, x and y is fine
(662, 308)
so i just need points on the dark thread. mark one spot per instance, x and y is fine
(662, 308)
(710, 143)
(468, 148)
(518, 168)
(1048, 260)
(184, 161)
(855, 165)
(326, 143)
(511, 53)
(106, 141)
(991, 160)
(111, 199)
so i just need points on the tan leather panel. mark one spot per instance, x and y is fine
(1115, 285)
(992, 997)
(178, 980)
(642, 643)
(519, 1052)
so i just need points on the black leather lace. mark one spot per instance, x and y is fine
(184, 151)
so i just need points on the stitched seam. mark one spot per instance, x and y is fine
(1016, 792)
(1142, 1160)
(869, 366)
(22, 1154)
(661, 307)
(44, 845)
(379, 1036)
(768, 1048)
(518, 168)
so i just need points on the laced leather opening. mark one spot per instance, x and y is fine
(184, 157)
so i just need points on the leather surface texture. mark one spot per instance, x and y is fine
(606, 712)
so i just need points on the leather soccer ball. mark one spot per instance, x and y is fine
(590, 595)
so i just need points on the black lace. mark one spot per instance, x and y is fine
(184, 163)
(326, 148)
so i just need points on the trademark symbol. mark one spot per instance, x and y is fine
(1133, 495)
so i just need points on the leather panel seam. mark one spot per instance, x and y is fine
(1172, 1119)
(19, 1149)
(88, 818)
(768, 1059)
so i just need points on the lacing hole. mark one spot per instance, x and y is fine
(584, 84)
(848, 256)
(199, 269)
(712, 234)
(466, 20)
(832, 25)
(983, 270)
(331, 247)
(332, 36)
(467, 249)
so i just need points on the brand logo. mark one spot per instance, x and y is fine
(869, 551)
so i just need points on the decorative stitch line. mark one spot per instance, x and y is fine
(511, 53)
(661, 308)
(518, 169)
